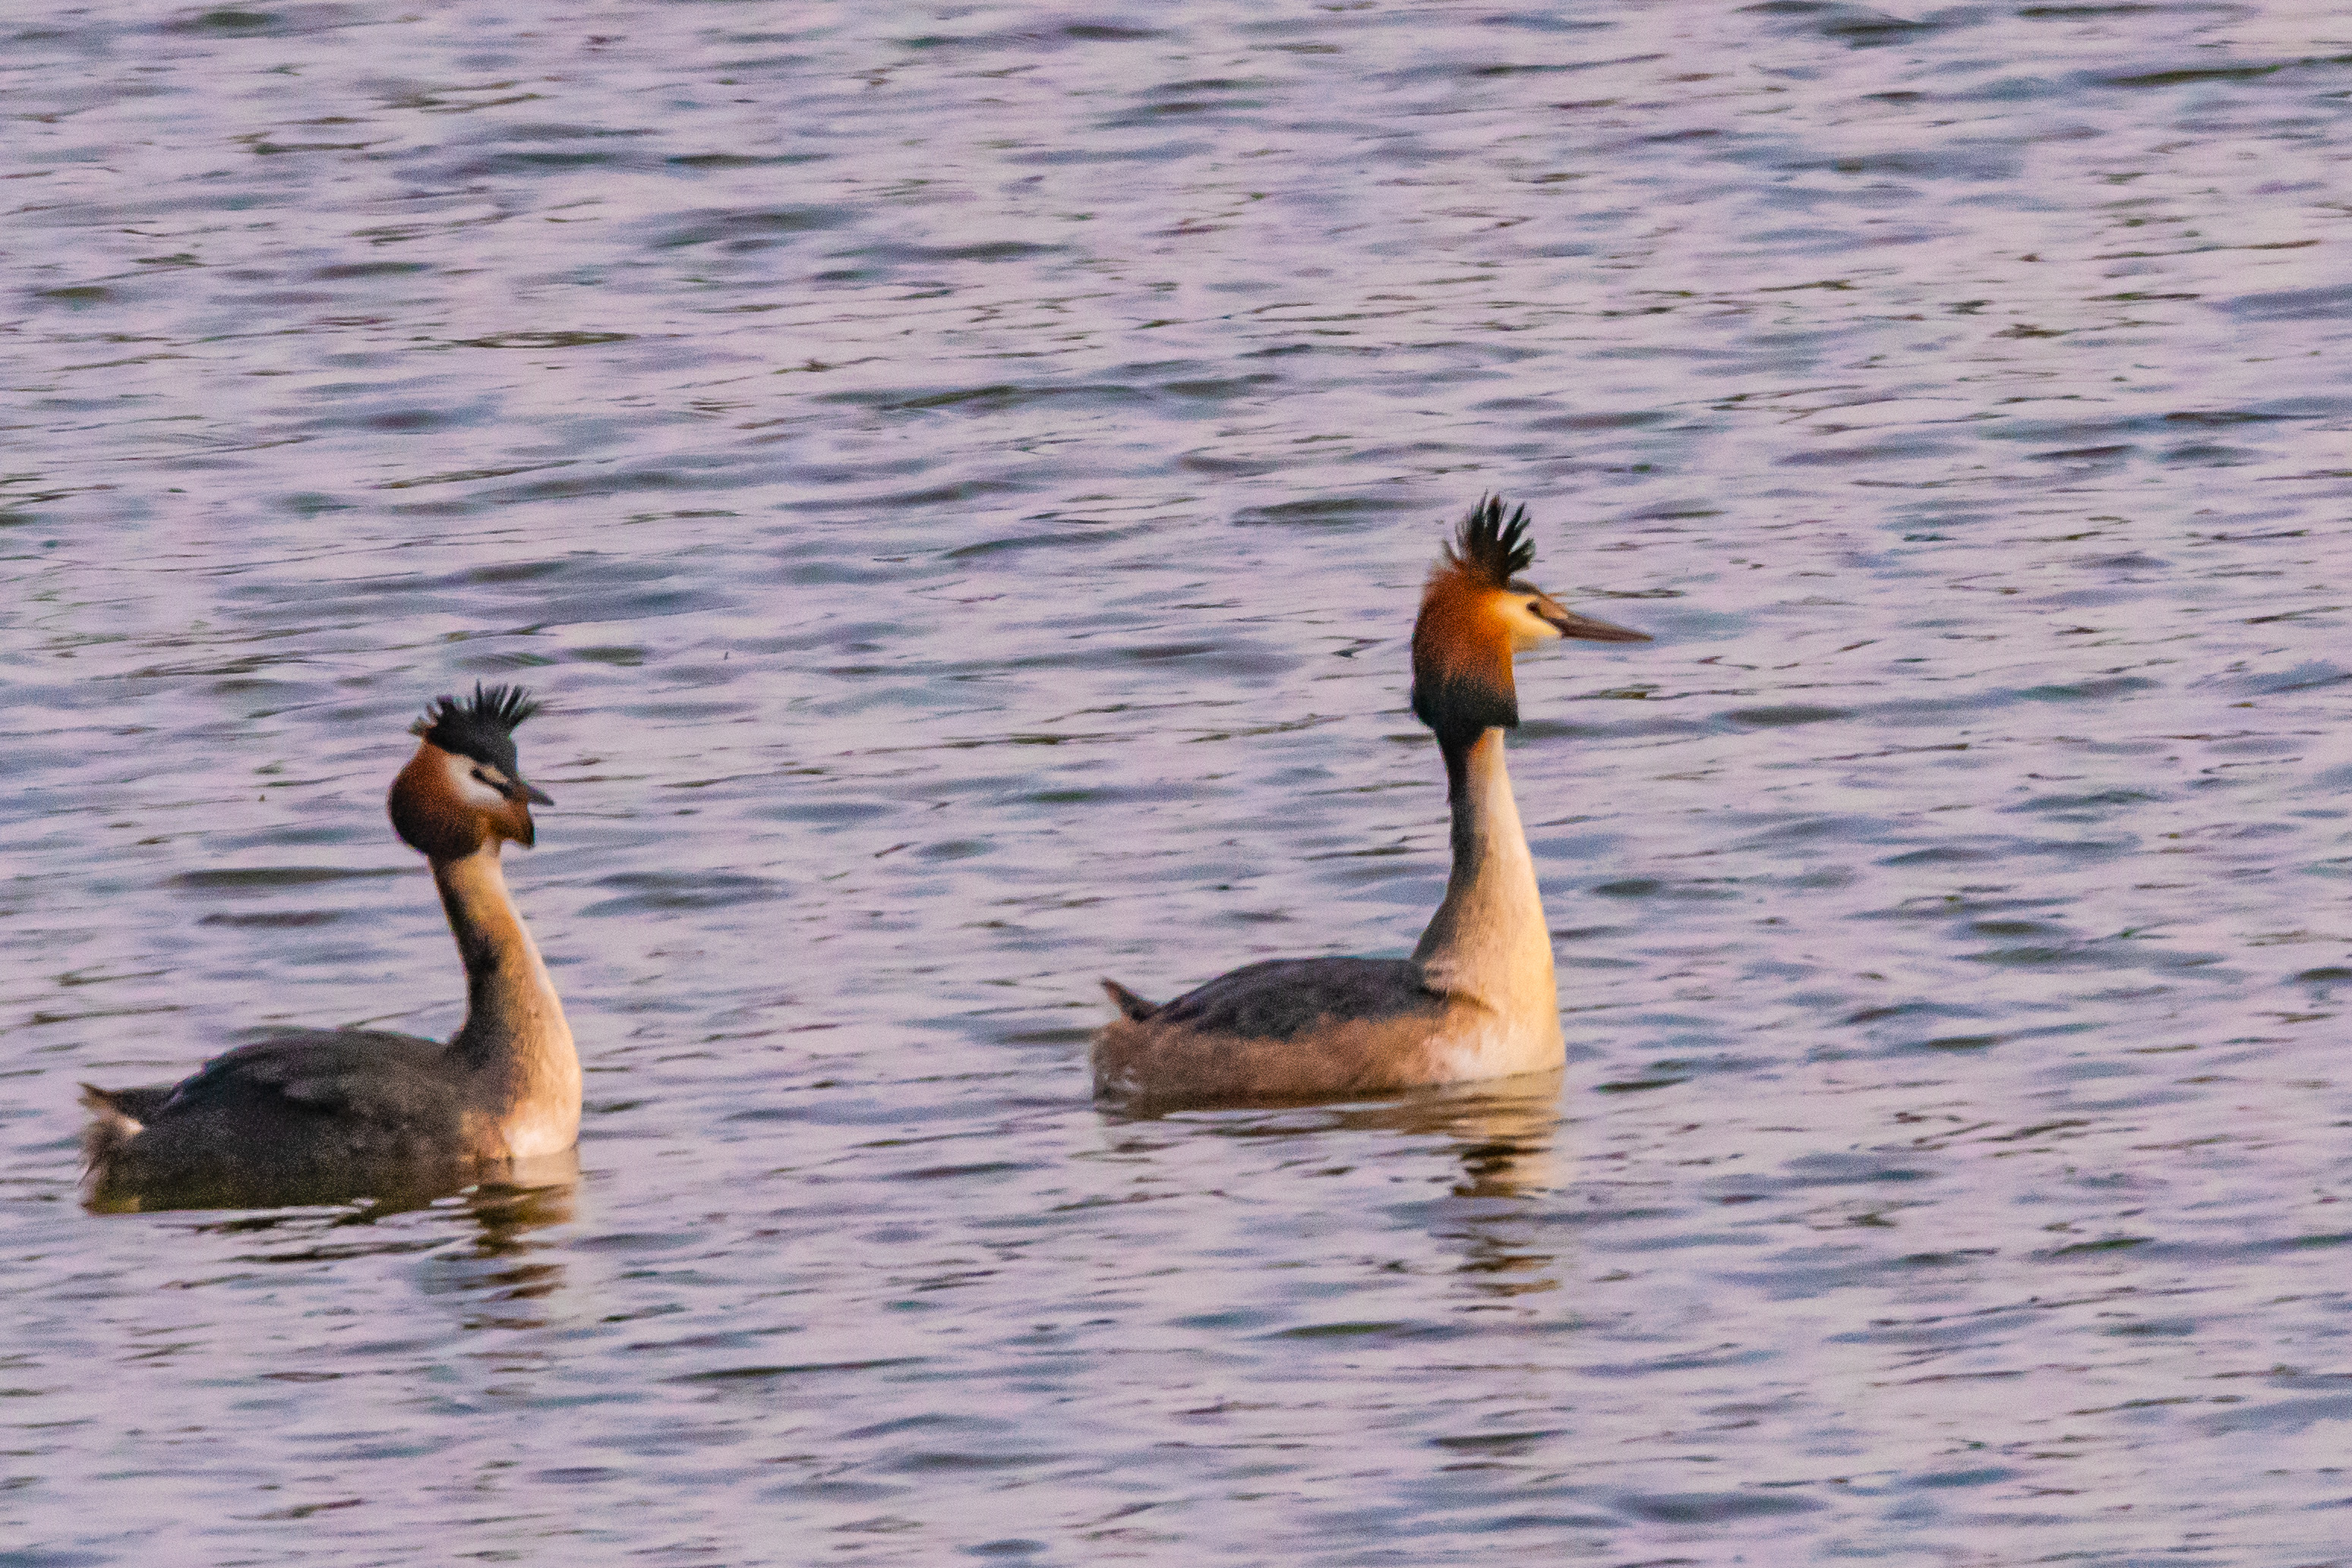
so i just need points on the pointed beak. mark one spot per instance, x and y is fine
(1589, 628)
(531, 792)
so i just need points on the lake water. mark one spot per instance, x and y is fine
(960, 477)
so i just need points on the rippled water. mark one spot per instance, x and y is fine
(962, 477)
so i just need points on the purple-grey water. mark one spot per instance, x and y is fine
(960, 477)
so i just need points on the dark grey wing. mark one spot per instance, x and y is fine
(392, 1080)
(313, 1116)
(1277, 999)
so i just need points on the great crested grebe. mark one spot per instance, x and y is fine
(1476, 999)
(321, 1115)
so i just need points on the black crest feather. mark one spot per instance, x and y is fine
(481, 727)
(1492, 546)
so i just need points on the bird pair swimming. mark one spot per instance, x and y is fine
(325, 1115)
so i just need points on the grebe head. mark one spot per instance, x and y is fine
(1475, 614)
(464, 789)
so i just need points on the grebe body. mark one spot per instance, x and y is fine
(1476, 1000)
(324, 1115)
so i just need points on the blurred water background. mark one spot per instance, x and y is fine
(961, 475)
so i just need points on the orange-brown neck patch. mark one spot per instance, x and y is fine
(428, 814)
(1462, 682)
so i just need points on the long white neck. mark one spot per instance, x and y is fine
(1488, 941)
(514, 1036)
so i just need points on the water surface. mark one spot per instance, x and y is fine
(960, 477)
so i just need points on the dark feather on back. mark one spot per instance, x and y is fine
(1277, 999)
(482, 727)
(309, 1115)
(1492, 546)
(364, 1075)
